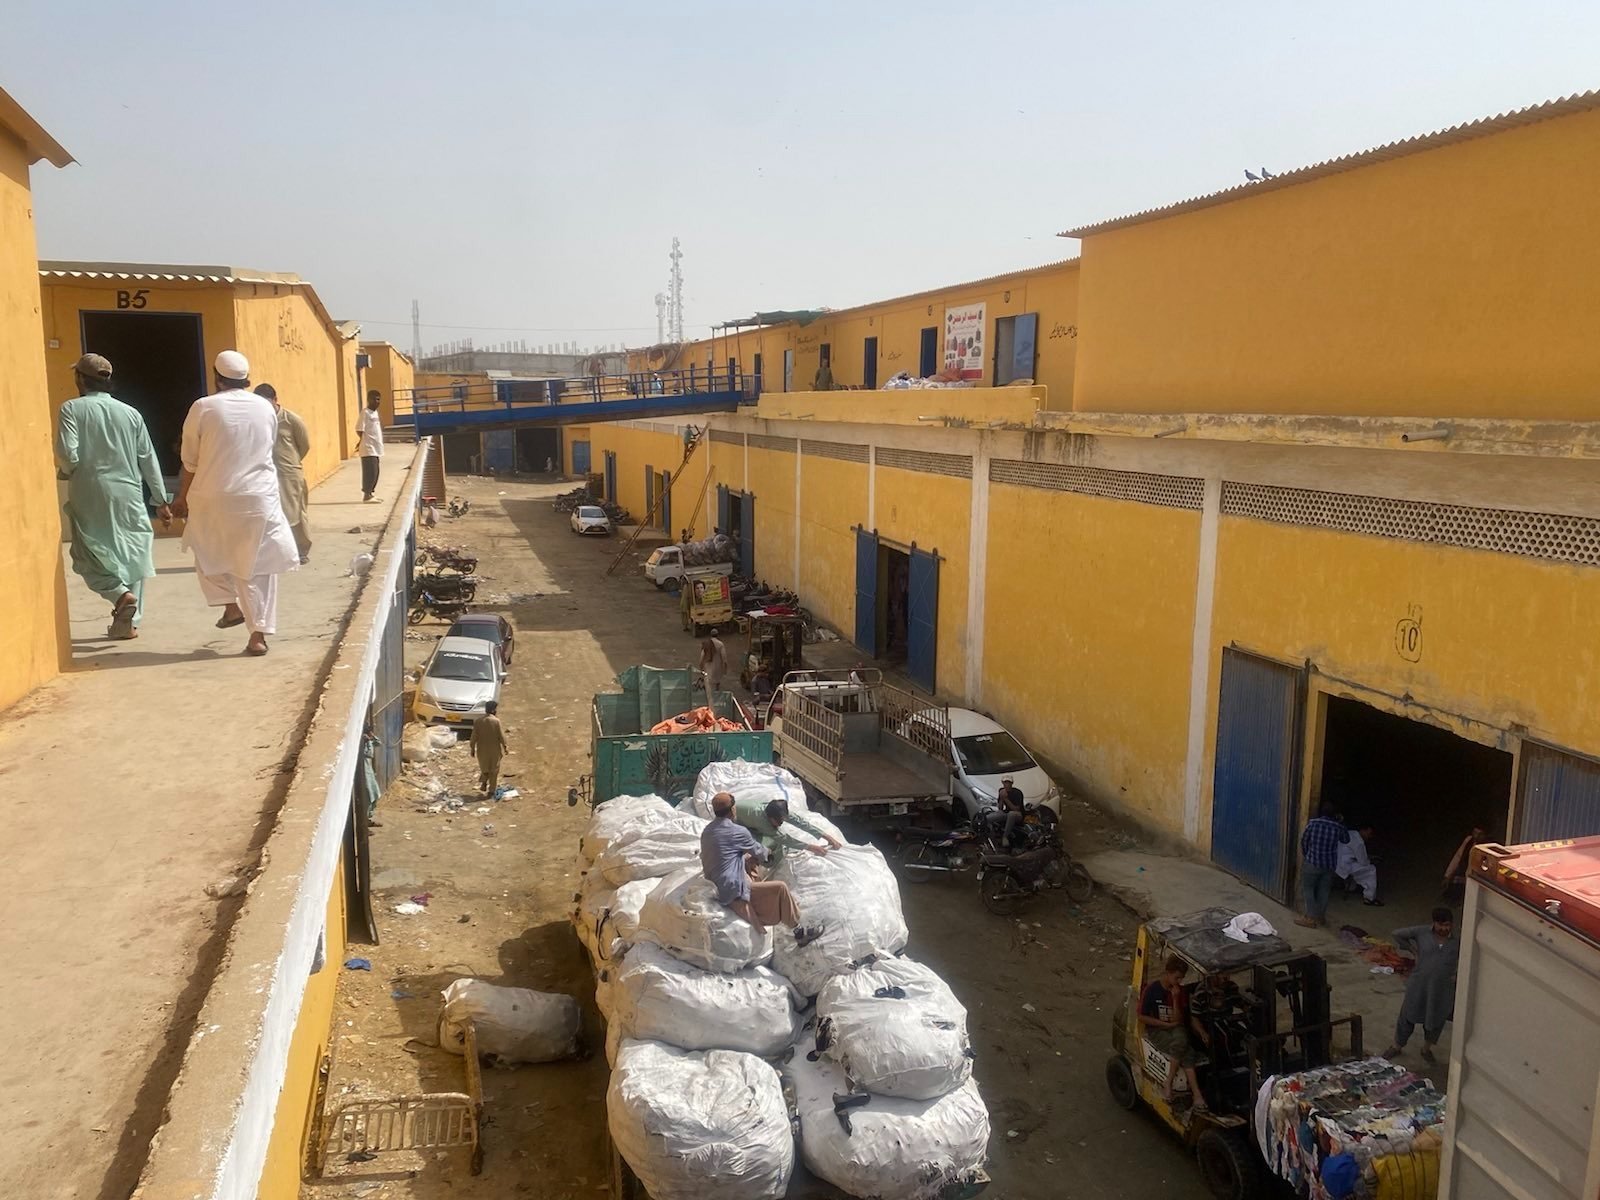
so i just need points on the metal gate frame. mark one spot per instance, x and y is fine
(1263, 865)
(867, 591)
(922, 617)
(1557, 793)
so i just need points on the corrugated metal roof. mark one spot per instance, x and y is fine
(1532, 115)
(39, 143)
(168, 272)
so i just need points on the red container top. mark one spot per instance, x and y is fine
(1558, 880)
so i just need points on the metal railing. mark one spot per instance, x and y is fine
(919, 723)
(510, 394)
(814, 728)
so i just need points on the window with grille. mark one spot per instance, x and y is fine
(1170, 491)
(928, 462)
(840, 450)
(761, 441)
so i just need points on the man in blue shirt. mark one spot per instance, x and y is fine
(1319, 856)
(728, 855)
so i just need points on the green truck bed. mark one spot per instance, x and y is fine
(628, 761)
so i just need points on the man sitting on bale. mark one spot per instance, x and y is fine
(728, 855)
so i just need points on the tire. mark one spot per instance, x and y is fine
(469, 592)
(1229, 1165)
(915, 852)
(1079, 885)
(1000, 891)
(416, 615)
(1121, 1084)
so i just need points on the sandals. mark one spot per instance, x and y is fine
(121, 628)
(227, 622)
(254, 648)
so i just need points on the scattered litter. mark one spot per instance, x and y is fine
(1029, 1008)
(505, 793)
(1011, 1133)
(399, 994)
(422, 898)
(454, 804)
(360, 564)
(228, 885)
(499, 493)
(483, 810)
(408, 909)
(1383, 970)
(488, 829)
(463, 918)
(360, 1156)
(358, 964)
(100, 1129)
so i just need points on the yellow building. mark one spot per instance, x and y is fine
(161, 327)
(1263, 558)
(389, 371)
(32, 588)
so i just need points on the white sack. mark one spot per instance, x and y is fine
(607, 918)
(514, 1025)
(853, 895)
(651, 851)
(708, 1125)
(897, 1149)
(762, 782)
(615, 815)
(912, 1045)
(684, 916)
(657, 996)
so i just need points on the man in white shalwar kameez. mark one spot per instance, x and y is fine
(229, 494)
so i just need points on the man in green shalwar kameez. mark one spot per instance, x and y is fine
(777, 830)
(103, 451)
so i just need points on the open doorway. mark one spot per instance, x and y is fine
(461, 452)
(538, 451)
(894, 584)
(1422, 790)
(158, 367)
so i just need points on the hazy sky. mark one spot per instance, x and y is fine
(521, 169)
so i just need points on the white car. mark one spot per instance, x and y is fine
(586, 518)
(463, 674)
(984, 753)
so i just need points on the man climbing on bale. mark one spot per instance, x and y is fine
(776, 829)
(728, 855)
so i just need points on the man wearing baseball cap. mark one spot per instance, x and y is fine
(229, 492)
(103, 451)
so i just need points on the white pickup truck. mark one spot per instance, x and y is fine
(665, 566)
(1524, 1111)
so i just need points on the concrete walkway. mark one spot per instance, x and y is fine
(149, 771)
(1154, 884)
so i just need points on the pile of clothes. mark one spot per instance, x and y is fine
(735, 1050)
(1376, 950)
(1367, 1128)
(697, 720)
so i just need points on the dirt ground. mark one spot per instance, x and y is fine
(1040, 990)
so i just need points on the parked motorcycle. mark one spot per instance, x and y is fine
(458, 507)
(426, 605)
(449, 558)
(925, 853)
(1008, 878)
(447, 587)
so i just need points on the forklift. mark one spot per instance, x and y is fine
(776, 640)
(1265, 1009)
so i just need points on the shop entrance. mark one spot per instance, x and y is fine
(158, 367)
(894, 585)
(535, 448)
(461, 452)
(1422, 790)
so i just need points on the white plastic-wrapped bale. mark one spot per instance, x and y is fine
(513, 1025)
(651, 851)
(895, 1149)
(852, 894)
(606, 918)
(761, 782)
(700, 1125)
(615, 815)
(654, 995)
(683, 915)
(896, 1028)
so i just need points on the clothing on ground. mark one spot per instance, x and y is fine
(1430, 998)
(1319, 844)
(104, 450)
(236, 525)
(723, 845)
(293, 444)
(256, 596)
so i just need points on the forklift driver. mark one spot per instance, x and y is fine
(1163, 1016)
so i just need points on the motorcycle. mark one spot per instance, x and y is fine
(426, 605)
(1009, 878)
(925, 853)
(458, 507)
(447, 587)
(450, 559)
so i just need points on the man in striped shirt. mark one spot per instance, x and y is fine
(1319, 856)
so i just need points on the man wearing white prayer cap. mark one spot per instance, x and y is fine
(228, 492)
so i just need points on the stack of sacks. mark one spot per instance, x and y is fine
(651, 850)
(897, 1030)
(700, 1125)
(886, 1147)
(616, 815)
(852, 894)
(619, 865)
(607, 918)
(745, 781)
(684, 916)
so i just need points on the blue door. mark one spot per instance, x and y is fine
(722, 508)
(1558, 794)
(922, 618)
(747, 535)
(1257, 779)
(867, 592)
(580, 458)
(666, 503)
(928, 352)
(500, 451)
(1024, 342)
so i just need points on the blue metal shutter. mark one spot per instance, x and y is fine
(867, 592)
(1024, 341)
(922, 618)
(1558, 794)
(666, 503)
(722, 508)
(500, 450)
(1257, 777)
(580, 458)
(747, 536)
